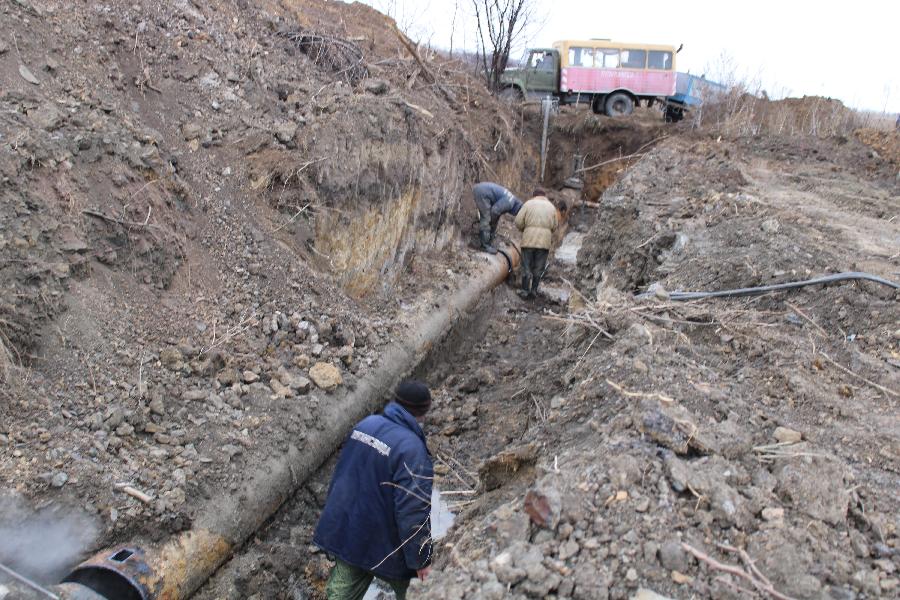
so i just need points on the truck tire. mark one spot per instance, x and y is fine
(619, 105)
(674, 114)
(597, 105)
(511, 94)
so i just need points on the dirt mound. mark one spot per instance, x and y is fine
(885, 143)
(673, 437)
(740, 113)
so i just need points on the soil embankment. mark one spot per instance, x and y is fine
(213, 214)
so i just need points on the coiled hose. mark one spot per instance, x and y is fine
(778, 287)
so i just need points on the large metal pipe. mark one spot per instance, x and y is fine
(178, 568)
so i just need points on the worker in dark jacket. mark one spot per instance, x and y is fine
(376, 521)
(493, 200)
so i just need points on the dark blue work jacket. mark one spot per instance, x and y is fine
(377, 516)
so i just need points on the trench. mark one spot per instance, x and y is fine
(482, 407)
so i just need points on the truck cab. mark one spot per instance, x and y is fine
(537, 77)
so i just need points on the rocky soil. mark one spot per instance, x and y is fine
(209, 224)
(648, 442)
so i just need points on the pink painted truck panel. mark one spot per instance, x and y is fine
(640, 82)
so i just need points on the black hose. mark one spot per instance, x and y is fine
(778, 287)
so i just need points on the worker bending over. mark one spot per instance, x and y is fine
(493, 201)
(537, 221)
(377, 518)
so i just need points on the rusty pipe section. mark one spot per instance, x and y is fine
(178, 568)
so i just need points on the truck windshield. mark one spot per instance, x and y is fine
(541, 61)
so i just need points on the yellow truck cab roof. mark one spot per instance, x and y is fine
(562, 44)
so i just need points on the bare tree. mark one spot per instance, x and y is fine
(500, 24)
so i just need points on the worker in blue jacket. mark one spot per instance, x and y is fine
(492, 201)
(377, 518)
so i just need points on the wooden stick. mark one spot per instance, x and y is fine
(134, 493)
(808, 319)
(736, 571)
(415, 54)
(607, 162)
(860, 377)
(624, 392)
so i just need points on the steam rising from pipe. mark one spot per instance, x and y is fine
(43, 544)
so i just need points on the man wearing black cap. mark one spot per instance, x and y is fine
(377, 518)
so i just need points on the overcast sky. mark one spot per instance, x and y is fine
(847, 50)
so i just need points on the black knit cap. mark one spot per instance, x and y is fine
(413, 396)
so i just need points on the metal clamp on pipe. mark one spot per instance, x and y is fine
(510, 264)
(121, 573)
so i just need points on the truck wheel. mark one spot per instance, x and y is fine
(511, 94)
(597, 105)
(619, 105)
(674, 114)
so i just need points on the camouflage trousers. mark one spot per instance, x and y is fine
(347, 582)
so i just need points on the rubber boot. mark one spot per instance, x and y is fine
(525, 292)
(486, 242)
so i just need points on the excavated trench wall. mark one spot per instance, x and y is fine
(392, 182)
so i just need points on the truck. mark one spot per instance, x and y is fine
(691, 92)
(613, 77)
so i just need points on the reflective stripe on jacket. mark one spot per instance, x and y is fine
(377, 515)
(537, 221)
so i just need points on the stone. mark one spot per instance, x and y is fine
(228, 377)
(59, 479)
(281, 390)
(815, 487)
(681, 578)
(210, 81)
(285, 132)
(631, 574)
(502, 566)
(114, 417)
(770, 226)
(171, 358)
(249, 377)
(326, 376)
(293, 381)
(27, 75)
(589, 583)
(46, 116)
(673, 557)
(194, 395)
(568, 549)
(773, 514)
(544, 505)
(376, 86)
(785, 435)
(645, 594)
(191, 130)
